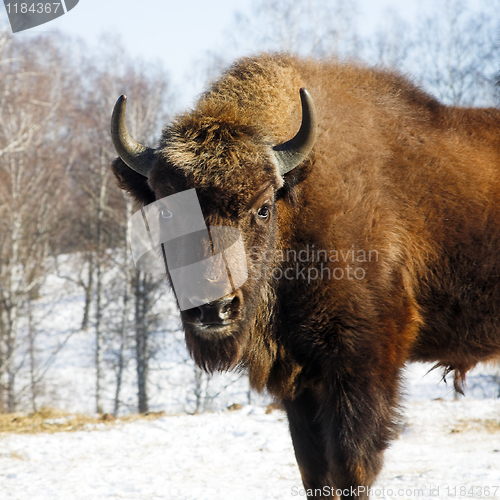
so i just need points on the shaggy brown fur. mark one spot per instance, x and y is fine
(405, 190)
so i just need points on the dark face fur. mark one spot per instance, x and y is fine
(218, 333)
(237, 170)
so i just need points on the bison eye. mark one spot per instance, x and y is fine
(263, 212)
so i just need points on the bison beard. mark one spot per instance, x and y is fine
(392, 171)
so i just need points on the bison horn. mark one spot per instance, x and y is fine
(292, 153)
(135, 155)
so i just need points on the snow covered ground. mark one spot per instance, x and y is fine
(448, 449)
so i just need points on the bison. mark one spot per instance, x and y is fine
(371, 235)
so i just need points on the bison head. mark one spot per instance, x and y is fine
(239, 178)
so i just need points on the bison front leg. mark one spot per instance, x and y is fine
(308, 440)
(340, 429)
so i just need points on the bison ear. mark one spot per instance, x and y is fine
(133, 183)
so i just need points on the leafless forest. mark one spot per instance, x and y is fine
(62, 215)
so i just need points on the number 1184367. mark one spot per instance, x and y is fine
(33, 8)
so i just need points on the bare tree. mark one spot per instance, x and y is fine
(319, 28)
(149, 93)
(100, 212)
(453, 49)
(313, 28)
(57, 194)
(34, 167)
(392, 43)
(458, 53)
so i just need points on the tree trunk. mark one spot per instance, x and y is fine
(99, 264)
(141, 341)
(124, 325)
(88, 288)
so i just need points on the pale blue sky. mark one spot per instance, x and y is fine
(178, 33)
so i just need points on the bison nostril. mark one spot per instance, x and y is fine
(219, 312)
(235, 303)
(198, 314)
